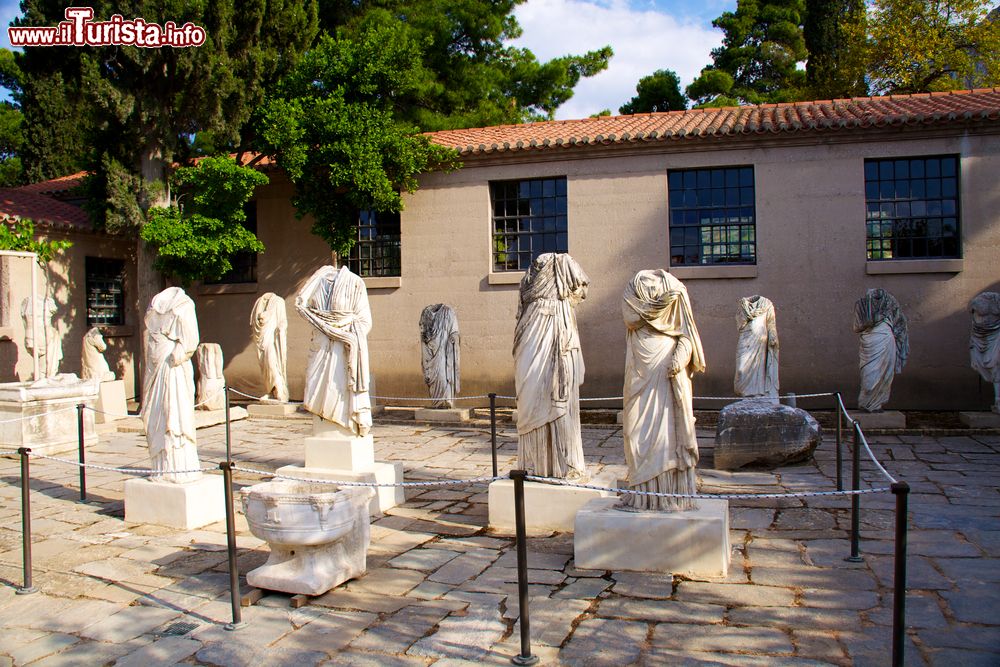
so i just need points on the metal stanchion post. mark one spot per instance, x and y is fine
(902, 492)
(82, 453)
(28, 587)
(493, 429)
(855, 556)
(840, 441)
(525, 657)
(234, 573)
(229, 444)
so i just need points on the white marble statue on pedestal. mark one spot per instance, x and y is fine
(50, 338)
(439, 354)
(92, 361)
(984, 344)
(335, 303)
(548, 368)
(662, 353)
(885, 345)
(756, 349)
(168, 386)
(211, 386)
(268, 329)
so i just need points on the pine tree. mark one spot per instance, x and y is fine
(660, 91)
(835, 68)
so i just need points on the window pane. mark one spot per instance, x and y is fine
(534, 218)
(376, 251)
(105, 291)
(712, 216)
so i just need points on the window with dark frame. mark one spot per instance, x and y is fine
(105, 291)
(912, 207)
(376, 253)
(529, 219)
(244, 263)
(712, 216)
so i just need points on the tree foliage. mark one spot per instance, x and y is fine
(834, 38)
(660, 91)
(20, 235)
(331, 126)
(925, 45)
(759, 56)
(196, 240)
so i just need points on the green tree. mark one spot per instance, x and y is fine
(916, 46)
(660, 91)
(11, 121)
(759, 56)
(196, 240)
(331, 126)
(835, 68)
(20, 235)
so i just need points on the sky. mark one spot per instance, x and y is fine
(646, 35)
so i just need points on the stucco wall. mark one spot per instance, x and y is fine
(810, 263)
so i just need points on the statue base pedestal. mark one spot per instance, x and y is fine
(268, 410)
(884, 419)
(694, 543)
(111, 402)
(339, 452)
(447, 415)
(980, 419)
(41, 415)
(547, 507)
(379, 472)
(184, 506)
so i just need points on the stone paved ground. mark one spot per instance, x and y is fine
(441, 589)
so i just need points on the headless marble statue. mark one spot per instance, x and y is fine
(50, 339)
(439, 354)
(268, 328)
(211, 388)
(884, 346)
(757, 348)
(984, 344)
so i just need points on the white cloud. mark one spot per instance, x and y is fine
(644, 39)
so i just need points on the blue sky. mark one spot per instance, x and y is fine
(646, 35)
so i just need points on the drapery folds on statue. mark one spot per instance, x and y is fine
(548, 368)
(756, 349)
(662, 353)
(439, 354)
(884, 346)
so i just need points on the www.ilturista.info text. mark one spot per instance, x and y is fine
(80, 30)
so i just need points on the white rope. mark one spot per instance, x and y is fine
(424, 400)
(714, 496)
(44, 414)
(261, 398)
(446, 482)
(109, 414)
(4, 452)
(128, 471)
(871, 455)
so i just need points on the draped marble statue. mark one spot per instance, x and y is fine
(548, 368)
(92, 361)
(49, 337)
(168, 386)
(885, 345)
(335, 303)
(268, 329)
(984, 344)
(210, 391)
(662, 353)
(439, 354)
(757, 348)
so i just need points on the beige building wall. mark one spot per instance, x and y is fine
(810, 263)
(65, 279)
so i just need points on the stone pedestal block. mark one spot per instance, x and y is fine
(111, 403)
(41, 414)
(268, 410)
(980, 419)
(873, 420)
(693, 543)
(379, 472)
(340, 453)
(183, 506)
(547, 507)
(761, 432)
(447, 415)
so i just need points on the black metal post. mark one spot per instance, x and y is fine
(840, 441)
(525, 657)
(234, 573)
(855, 556)
(82, 456)
(229, 444)
(902, 492)
(28, 587)
(493, 429)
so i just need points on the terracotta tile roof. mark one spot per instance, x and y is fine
(45, 211)
(928, 109)
(55, 185)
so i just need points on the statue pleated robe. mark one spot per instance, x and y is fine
(439, 354)
(756, 349)
(662, 352)
(335, 303)
(268, 329)
(548, 368)
(884, 346)
(168, 394)
(984, 343)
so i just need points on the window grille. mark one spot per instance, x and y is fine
(712, 216)
(529, 218)
(377, 249)
(105, 291)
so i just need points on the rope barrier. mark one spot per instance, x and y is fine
(127, 471)
(4, 452)
(24, 417)
(708, 496)
(871, 455)
(446, 482)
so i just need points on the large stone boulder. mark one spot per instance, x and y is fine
(762, 433)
